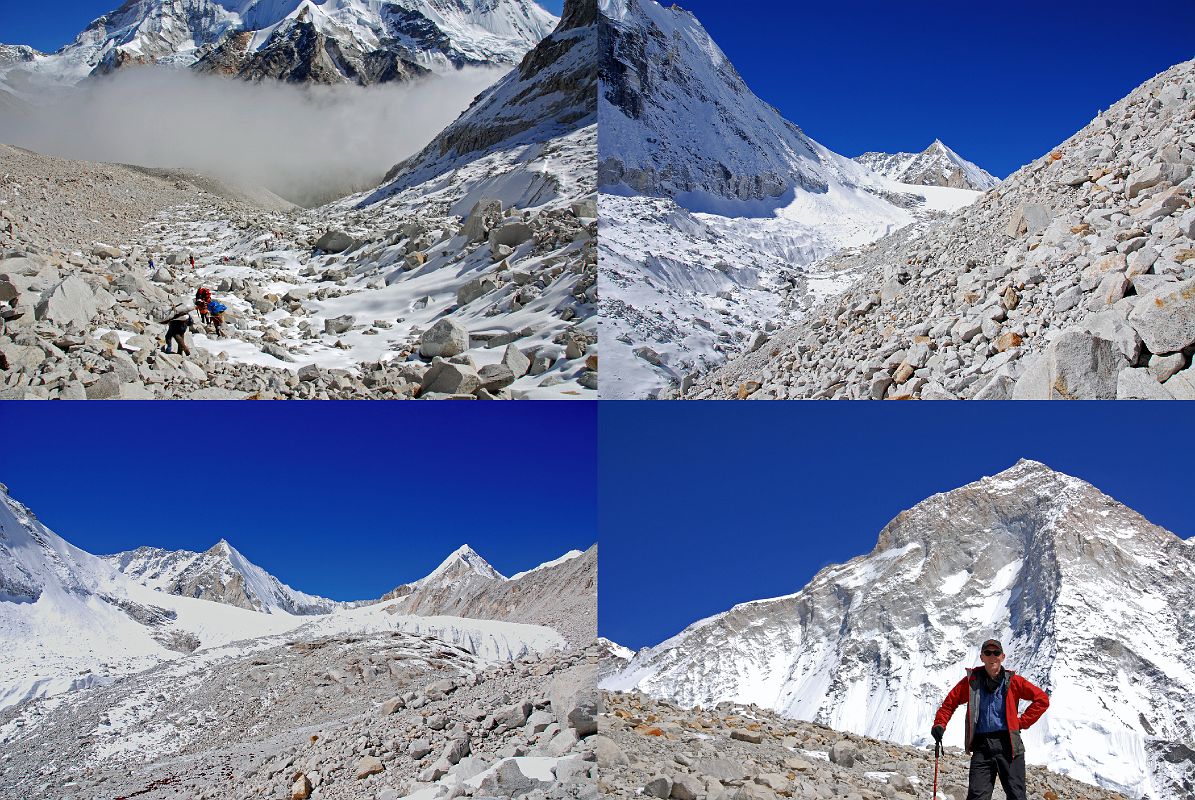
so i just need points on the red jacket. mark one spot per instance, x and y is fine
(967, 691)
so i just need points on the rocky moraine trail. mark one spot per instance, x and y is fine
(397, 298)
(651, 748)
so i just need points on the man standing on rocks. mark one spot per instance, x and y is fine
(994, 725)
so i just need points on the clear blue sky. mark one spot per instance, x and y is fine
(344, 500)
(49, 25)
(1000, 83)
(705, 505)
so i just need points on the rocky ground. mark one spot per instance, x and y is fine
(364, 716)
(420, 294)
(1074, 278)
(649, 748)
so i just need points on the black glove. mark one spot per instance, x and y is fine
(937, 733)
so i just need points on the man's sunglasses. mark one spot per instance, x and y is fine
(992, 652)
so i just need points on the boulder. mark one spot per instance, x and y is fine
(73, 301)
(753, 791)
(1139, 384)
(301, 789)
(1181, 385)
(1029, 218)
(1153, 175)
(456, 749)
(1162, 367)
(844, 753)
(586, 209)
(338, 325)
(474, 289)
(574, 699)
(1111, 325)
(485, 214)
(106, 388)
(659, 786)
(496, 376)
(1075, 366)
(1165, 318)
(335, 241)
(8, 290)
(507, 780)
(686, 787)
(440, 689)
(469, 767)
(513, 716)
(106, 251)
(446, 338)
(572, 771)
(726, 770)
(434, 772)
(511, 233)
(450, 377)
(518, 363)
(369, 765)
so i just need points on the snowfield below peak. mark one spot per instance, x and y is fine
(710, 232)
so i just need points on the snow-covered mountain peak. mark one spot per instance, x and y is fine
(936, 165)
(1085, 593)
(335, 41)
(221, 574)
(221, 548)
(460, 563)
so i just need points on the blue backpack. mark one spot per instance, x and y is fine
(215, 307)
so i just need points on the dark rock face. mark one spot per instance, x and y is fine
(301, 54)
(557, 79)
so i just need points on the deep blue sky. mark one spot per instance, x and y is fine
(705, 505)
(344, 500)
(1000, 83)
(49, 25)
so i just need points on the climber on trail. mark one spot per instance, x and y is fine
(177, 325)
(192, 261)
(215, 312)
(202, 297)
(994, 724)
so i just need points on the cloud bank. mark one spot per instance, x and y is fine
(309, 144)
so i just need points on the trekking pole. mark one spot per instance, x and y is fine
(937, 753)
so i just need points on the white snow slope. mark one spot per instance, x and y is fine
(741, 201)
(1093, 604)
(69, 620)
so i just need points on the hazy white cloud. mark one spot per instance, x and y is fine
(303, 142)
